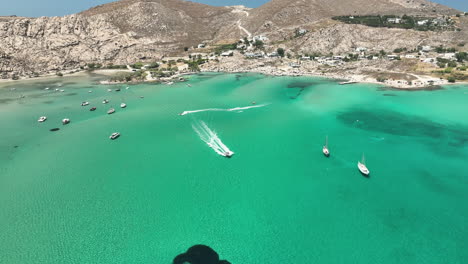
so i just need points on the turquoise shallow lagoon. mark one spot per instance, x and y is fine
(74, 196)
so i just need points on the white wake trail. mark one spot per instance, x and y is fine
(211, 139)
(220, 109)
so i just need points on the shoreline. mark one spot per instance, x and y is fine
(354, 78)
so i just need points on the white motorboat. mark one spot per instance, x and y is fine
(127, 88)
(228, 154)
(65, 121)
(109, 90)
(84, 103)
(123, 105)
(105, 101)
(90, 91)
(325, 149)
(362, 166)
(111, 111)
(62, 91)
(114, 135)
(42, 119)
(47, 88)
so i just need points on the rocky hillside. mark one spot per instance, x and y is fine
(285, 13)
(128, 31)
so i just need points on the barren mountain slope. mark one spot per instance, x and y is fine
(284, 13)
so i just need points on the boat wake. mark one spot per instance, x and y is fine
(211, 139)
(221, 109)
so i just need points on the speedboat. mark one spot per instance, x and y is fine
(362, 167)
(105, 101)
(228, 154)
(111, 111)
(189, 85)
(62, 91)
(90, 91)
(109, 90)
(127, 88)
(170, 83)
(325, 149)
(42, 119)
(117, 90)
(65, 121)
(142, 97)
(254, 102)
(114, 135)
(93, 109)
(123, 105)
(84, 103)
(47, 88)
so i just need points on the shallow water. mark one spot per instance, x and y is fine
(74, 196)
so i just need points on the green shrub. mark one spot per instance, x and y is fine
(59, 74)
(280, 52)
(451, 79)
(452, 64)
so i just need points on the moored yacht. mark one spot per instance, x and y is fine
(105, 101)
(325, 149)
(84, 103)
(123, 105)
(65, 121)
(117, 90)
(111, 111)
(114, 135)
(42, 119)
(362, 166)
(92, 109)
(109, 90)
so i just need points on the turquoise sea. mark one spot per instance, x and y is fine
(75, 196)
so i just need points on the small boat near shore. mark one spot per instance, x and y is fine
(325, 149)
(65, 121)
(362, 167)
(111, 111)
(84, 103)
(117, 90)
(348, 82)
(114, 135)
(109, 90)
(123, 105)
(105, 101)
(42, 119)
(92, 109)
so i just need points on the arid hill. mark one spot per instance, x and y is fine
(128, 31)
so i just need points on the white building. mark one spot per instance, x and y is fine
(273, 54)
(426, 48)
(392, 57)
(449, 56)
(394, 20)
(227, 53)
(422, 22)
(361, 49)
(410, 56)
(260, 37)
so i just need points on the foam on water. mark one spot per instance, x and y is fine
(211, 138)
(221, 109)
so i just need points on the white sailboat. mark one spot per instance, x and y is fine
(325, 149)
(362, 166)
